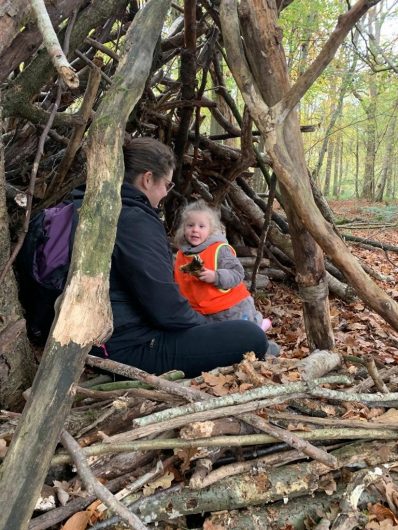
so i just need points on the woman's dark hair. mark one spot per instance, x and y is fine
(146, 154)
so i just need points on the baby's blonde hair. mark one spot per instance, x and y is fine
(198, 206)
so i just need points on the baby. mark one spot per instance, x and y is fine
(207, 270)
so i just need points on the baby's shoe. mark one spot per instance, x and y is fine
(266, 324)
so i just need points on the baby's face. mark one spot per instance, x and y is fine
(197, 228)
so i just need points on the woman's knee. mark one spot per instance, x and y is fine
(244, 336)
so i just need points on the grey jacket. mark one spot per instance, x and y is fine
(229, 273)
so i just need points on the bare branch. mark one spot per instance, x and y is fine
(58, 58)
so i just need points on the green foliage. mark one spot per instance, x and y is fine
(386, 213)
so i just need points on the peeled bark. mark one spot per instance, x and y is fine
(84, 315)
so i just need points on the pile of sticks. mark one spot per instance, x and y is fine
(262, 443)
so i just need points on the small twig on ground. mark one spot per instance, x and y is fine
(94, 486)
(374, 374)
(366, 384)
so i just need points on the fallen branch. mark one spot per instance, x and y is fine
(317, 364)
(227, 441)
(94, 486)
(266, 391)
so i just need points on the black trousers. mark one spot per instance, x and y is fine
(195, 350)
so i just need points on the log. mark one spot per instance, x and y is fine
(318, 364)
(245, 490)
(293, 514)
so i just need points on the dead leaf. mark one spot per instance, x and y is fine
(298, 427)
(186, 455)
(78, 521)
(391, 416)
(245, 386)
(328, 484)
(382, 512)
(162, 482)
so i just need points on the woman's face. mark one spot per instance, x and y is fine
(156, 189)
(197, 228)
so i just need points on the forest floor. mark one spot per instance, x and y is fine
(358, 330)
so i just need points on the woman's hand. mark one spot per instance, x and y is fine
(207, 275)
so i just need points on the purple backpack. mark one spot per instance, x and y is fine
(43, 264)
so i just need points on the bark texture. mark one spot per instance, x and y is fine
(17, 364)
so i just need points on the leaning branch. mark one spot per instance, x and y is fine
(58, 58)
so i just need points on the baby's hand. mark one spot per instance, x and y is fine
(207, 276)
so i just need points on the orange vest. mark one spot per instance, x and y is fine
(204, 297)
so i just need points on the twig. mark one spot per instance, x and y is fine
(103, 48)
(77, 135)
(49, 519)
(264, 231)
(137, 484)
(374, 374)
(291, 439)
(367, 384)
(154, 395)
(241, 467)
(370, 242)
(332, 422)
(94, 486)
(93, 65)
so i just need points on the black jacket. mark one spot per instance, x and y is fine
(144, 297)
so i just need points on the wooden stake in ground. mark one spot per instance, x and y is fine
(83, 317)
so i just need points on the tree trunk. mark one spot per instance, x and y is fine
(387, 159)
(370, 159)
(83, 316)
(258, 31)
(336, 165)
(328, 171)
(17, 364)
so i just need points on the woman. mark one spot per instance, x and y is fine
(155, 328)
